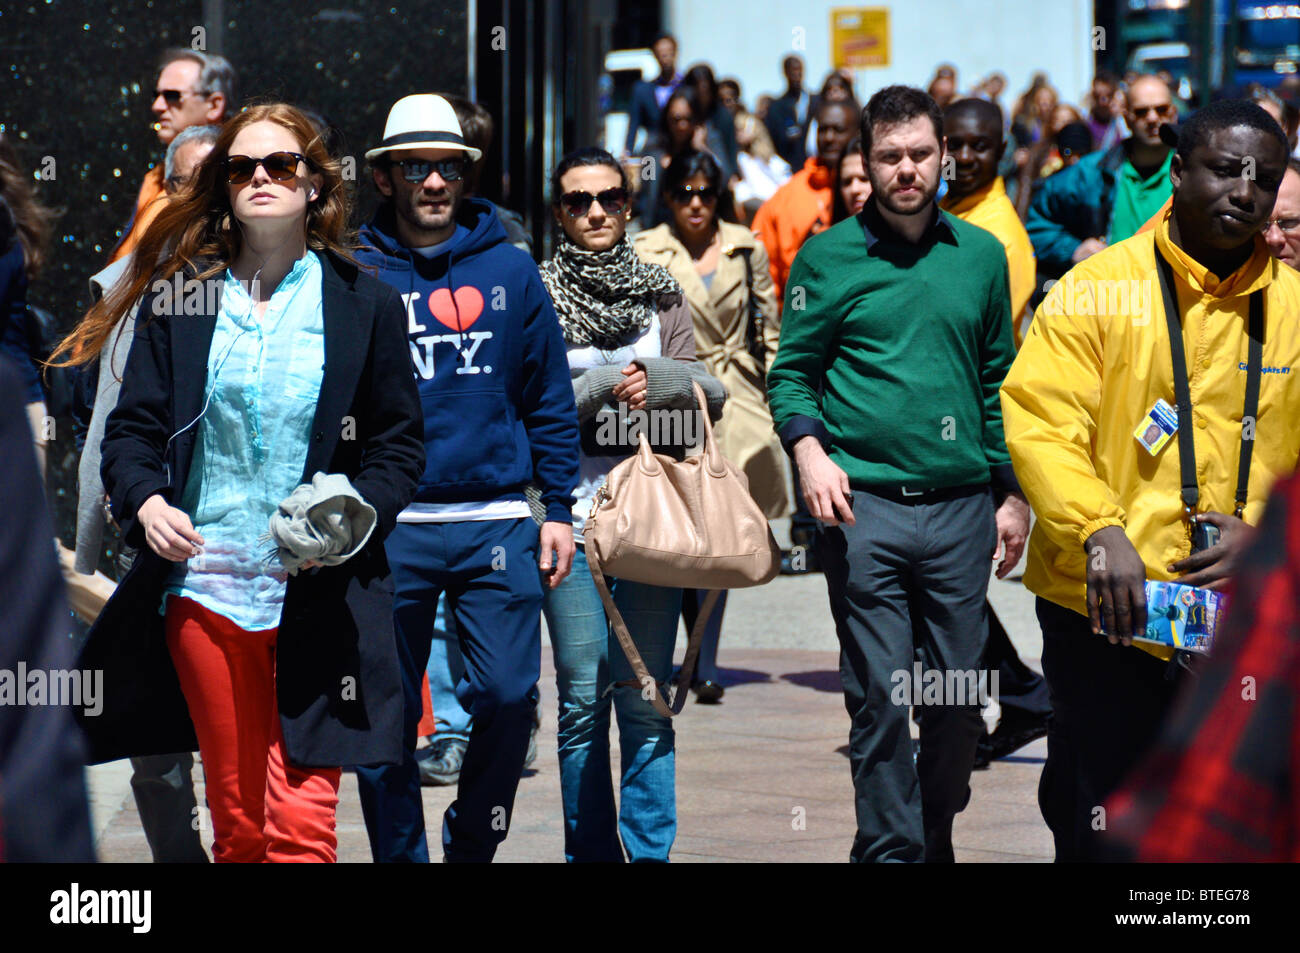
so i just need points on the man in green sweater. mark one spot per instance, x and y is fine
(895, 338)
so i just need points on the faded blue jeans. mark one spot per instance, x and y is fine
(588, 661)
(445, 669)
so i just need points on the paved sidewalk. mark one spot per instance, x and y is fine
(762, 777)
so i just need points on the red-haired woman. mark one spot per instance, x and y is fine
(262, 356)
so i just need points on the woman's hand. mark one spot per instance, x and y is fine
(631, 389)
(168, 531)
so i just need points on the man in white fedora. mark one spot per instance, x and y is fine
(499, 416)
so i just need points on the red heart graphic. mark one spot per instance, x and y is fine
(468, 301)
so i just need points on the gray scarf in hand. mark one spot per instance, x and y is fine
(603, 297)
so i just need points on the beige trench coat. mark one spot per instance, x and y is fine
(721, 317)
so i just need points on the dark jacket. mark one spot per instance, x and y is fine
(43, 811)
(787, 132)
(1074, 204)
(337, 678)
(14, 325)
(489, 361)
(643, 112)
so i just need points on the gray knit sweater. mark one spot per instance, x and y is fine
(669, 378)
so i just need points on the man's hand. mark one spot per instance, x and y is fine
(168, 531)
(825, 486)
(557, 537)
(1087, 248)
(1211, 568)
(1116, 585)
(631, 389)
(1013, 528)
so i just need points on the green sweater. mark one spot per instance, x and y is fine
(908, 343)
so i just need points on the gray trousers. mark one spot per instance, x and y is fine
(909, 581)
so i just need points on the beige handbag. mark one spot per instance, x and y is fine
(685, 525)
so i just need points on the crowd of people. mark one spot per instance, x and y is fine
(911, 299)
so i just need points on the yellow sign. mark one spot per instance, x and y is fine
(859, 37)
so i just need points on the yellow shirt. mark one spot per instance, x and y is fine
(990, 209)
(1095, 361)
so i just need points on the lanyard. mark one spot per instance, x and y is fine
(1182, 393)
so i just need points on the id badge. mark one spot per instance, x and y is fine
(1160, 423)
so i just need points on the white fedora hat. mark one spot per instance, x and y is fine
(423, 121)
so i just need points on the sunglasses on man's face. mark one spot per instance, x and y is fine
(172, 96)
(280, 166)
(1142, 111)
(417, 170)
(682, 195)
(613, 201)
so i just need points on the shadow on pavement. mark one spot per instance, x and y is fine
(822, 681)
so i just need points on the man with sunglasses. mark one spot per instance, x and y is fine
(500, 417)
(1107, 196)
(192, 89)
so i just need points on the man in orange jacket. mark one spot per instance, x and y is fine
(802, 206)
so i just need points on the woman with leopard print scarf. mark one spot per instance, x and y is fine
(631, 348)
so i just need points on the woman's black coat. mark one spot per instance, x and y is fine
(337, 676)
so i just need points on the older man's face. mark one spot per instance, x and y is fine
(177, 102)
(184, 163)
(1283, 231)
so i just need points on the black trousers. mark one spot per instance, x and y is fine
(1021, 690)
(909, 579)
(1108, 703)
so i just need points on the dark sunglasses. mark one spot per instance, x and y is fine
(173, 96)
(683, 194)
(280, 166)
(417, 170)
(613, 201)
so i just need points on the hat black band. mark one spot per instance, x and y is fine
(405, 137)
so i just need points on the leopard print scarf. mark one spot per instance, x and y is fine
(602, 298)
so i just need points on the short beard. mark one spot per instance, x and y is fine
(878, 193)
(410, 216)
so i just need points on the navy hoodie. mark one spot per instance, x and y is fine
(490, 363)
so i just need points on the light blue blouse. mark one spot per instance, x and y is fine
(263, 381)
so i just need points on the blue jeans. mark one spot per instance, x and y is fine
(588, 661)
(445, 670)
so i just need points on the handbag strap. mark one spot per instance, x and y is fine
(1182, 391)
(754, 342)
(643, 678)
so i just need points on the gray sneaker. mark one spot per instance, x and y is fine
(440, 762)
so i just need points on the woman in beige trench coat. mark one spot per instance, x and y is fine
(721, 268)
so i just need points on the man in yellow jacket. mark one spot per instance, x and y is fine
(1111, 514)
(973, 128)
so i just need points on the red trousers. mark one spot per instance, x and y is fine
(264, 809)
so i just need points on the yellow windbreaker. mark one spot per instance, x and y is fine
(991, 210)
(1095, 361)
